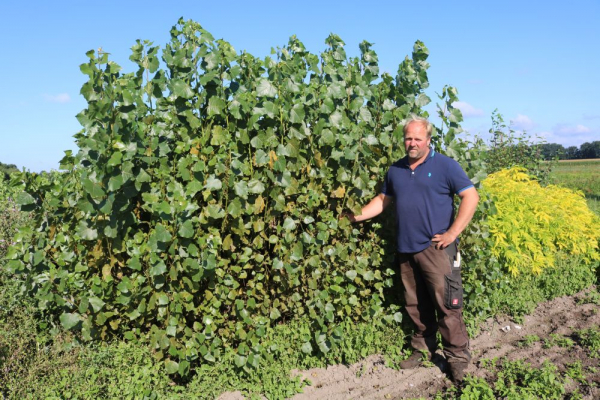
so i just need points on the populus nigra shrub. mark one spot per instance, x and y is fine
(203, 204)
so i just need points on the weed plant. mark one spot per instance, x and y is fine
(590, 339)
(493, 292)
(575, 372)
(529, 340)
(511, 380)
(592, 297)
(558, 340)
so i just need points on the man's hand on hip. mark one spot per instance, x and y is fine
(443, 240)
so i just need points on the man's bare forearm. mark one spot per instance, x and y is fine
(468, 204)
(373, 209)
(466, 210)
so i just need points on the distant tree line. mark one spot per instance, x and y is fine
(6, 169)
(586, 150)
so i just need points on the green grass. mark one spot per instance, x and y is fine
(581, 175)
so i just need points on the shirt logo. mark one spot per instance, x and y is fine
(429, 175)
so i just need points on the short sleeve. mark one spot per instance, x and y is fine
(388, 188)
(458, 179)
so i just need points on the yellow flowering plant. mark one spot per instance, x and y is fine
(533, 223)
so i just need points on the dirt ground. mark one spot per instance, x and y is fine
(500, 337)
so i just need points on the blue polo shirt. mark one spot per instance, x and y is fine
(424, 198)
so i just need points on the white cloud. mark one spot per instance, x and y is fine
(522, 123)
(571, 130)
(571, 135)
(59, 98)
(468, 110)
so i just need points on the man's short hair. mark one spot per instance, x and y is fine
(423, 121)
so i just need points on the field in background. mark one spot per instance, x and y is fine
(582, 175)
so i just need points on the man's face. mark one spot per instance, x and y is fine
(416, 141)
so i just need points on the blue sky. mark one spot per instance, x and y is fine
(537, 62)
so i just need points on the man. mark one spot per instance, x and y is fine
(422, 186)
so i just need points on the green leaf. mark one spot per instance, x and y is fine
(365, 114)
(162, 299)
(94, 189)
(215, 211)
(239, 360)
(351, 274)
(335, 119)
(184, 368)
(24, 198)
(307, 348)
(115, 159)
(336, 90)
(297, 114)
(422, 100)
(369, 276)
(213, 183)
(85, 232)
(181, 89)
(274, 314)
(96, 303)
(134, 263)
(187, 229)
(14, 266)
(171, 366)
(162, 234)
(220, 136)
(143, 176)
(327, 137)
(323, 344)
(289, 224)
(398, 317)
(235, 208)
(115, 182)
(265, 88)
(297, 251)
(241, 189)
(215, 106)
(70, 320)
(158, 269)
(256, 186)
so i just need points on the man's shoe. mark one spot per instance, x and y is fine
(457, 371)
(415, 360)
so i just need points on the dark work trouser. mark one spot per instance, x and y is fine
(433, 294)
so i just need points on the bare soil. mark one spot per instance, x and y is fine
(499, 338)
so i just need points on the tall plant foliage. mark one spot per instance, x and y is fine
(203, 205)
(509, 148)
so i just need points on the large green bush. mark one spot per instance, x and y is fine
(203, 205)
(11, 217)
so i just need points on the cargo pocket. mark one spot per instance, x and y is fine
(453, 296)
